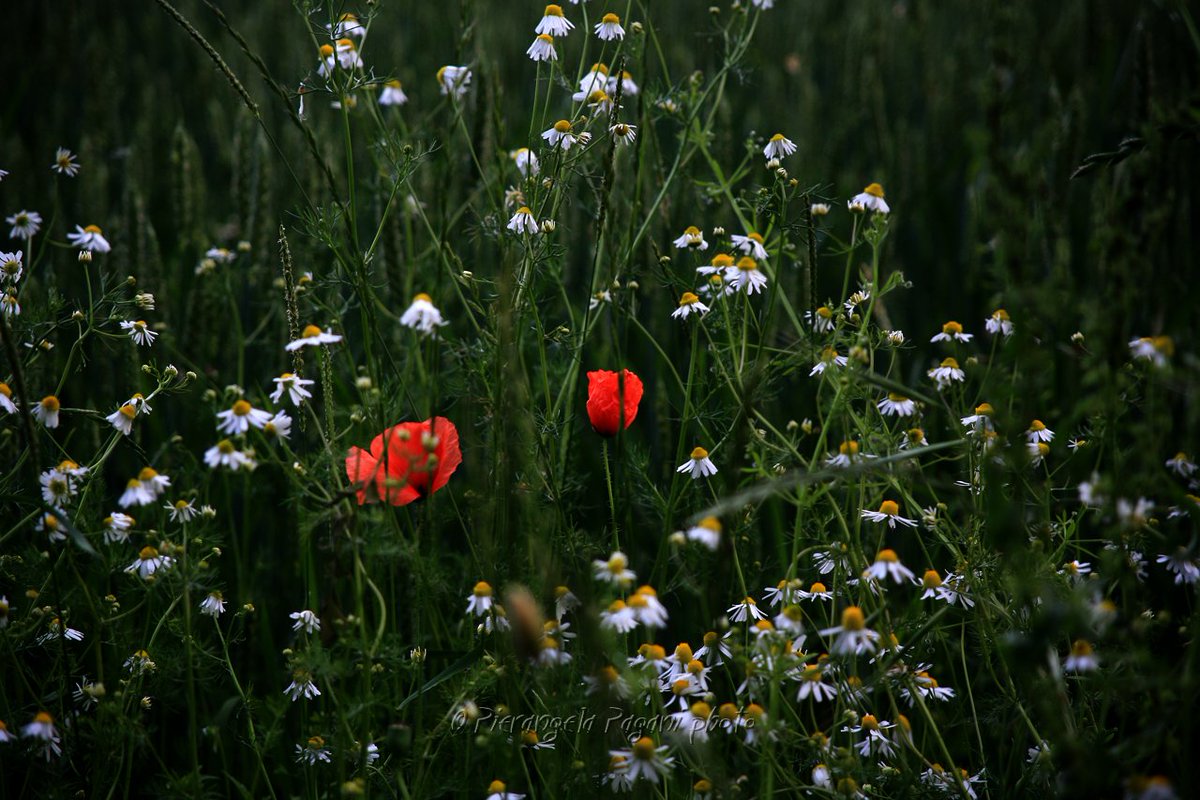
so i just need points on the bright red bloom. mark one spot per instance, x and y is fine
(405, 462)
(604, 400)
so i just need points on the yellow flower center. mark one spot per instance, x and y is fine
(950, 363)
(779, 137)
(310, 331)
(148, 553)
(529, 738)
(422, 296)
(722, 260)
(1037, 425)
(92, 229)
(617, 563)
(817, 588)
(346, 43)
(609, 674)
(643, 748)
(545, 37)
(952, 327)
(241, 408)
(869, 723)
(147, 474)
(616, 606)
(699, 453)
(756, 237)
(915, 435)
(746, 263)
(128, 411)
(874, 189)
(610, 19)
(43, 718)
(50, 403)
(701, 709)
(849, 448)
(552, 11)
(984, 409)
(853, 619)
(889, 507)
(562, 126)
(225, 447)
(897, 398)
(683, 653)
(1081, 648)
(1000, 314)
(727, 711)
(825, 312)
(688, 298)
(483, 589)
(888, 556)
(931, 579)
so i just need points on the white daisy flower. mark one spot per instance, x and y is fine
(706, 532)
(609, 28)
(523, 222)
(618, 617)
(779, 146)
(46, 411)
(117, 527)
(999, 323)
(889, 512)
(952, 331)
(312, 336)
(553, 22)
(1038, 432)
(89, 238)
(65, 163)
(699, 465)
(293, 386)
(238, 419)
(42, 729)
(542, 48)
(25, 224)
(139, 332)
(306, 620)
(1082, 658)
(454, 80)
(498, 790)
(148, 562)
(853, 635)
(642, 761)
(870, 199)
(813, 684)
(980, 421)
(122, 418)
(624, 133)
(526, 161)
(746, 609)
(480, 599)
(422, 315)
(615, 570)
(10, 267)
(647, 608)
(559, 135)
(745, 275)
(302, 686)
(224, 454)
(821, 320)
(213, 605)
(896, 405)
(692, 237)
(278, 426)
(829, 358)
(313, 751)
(689, 303)
(347, 25)
(751, 244)
(392, 94)
(946, 373)
(1181, 465)
(887, 565)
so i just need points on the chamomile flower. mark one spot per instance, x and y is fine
(347, 25)
(240, 417)
(10, 304)
(1182, 565)
(745, 275)
(498, 790)
(691, 238)
(148, 562)
(689, 303)
(25, 224)
(293, 386)
(313, 336)
(305, 620)
(1038, 432)
(606, 681)
(1082, 658)
(213, 605)
(51, 523)
(553, 22)
(817, 591)
(480, 599)
(6, 402)
(609, 28)
(526, 161)
(980, 421)
(346, 52)
(746, 609)
(422, 315)
(829, 358)
(117, 527)
(524, 222)
(392, 94)
(1181, 465)
(887, 565)
(693, 722)
(642, 761)
(5, 736)
(889, 512)
(560, 135)
(615, 570)
(58, 488)
(618, 617)
(946, 373)
(139, 331)
(813, 684)
(896, 405)
(224, 454)
(65, 163)
(564, 601)
(624, 133)
(699, 465)
(999, 323)
(751, 244)
(853, 635)
(542, 48)
(600, 298)
(42, 729)
(46, 411)
(122, 418)
(1155, 349)
(790, 620)
(952, 331)
(454, 80)
(821, 320)
(870, 199)
(779, 146)
(182, 510)
(313, 751)
(847, 454)
(715, 650)
(302, 685)
(10, 267)
(706, 532)
(875, 741)
(89, 238)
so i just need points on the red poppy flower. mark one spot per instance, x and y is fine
(604, 403)
(405, 462)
